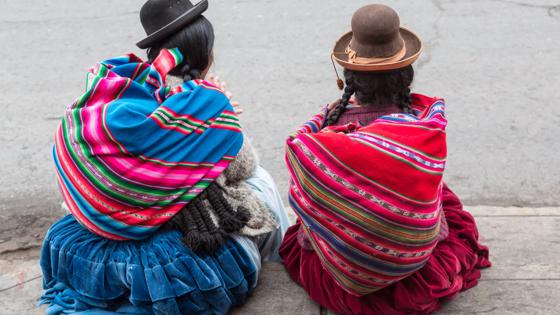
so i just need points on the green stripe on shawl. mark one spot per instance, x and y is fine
(331, 200)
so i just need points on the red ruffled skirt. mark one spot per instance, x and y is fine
(453, 267)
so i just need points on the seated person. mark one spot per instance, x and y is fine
(378, 231)
(170, 213)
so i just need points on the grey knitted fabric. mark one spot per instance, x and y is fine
(238, 193)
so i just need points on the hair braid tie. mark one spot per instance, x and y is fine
(195, 74)
(185, 71)
(189, 73)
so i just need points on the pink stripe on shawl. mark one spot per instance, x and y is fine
(103, 203)
(136, 170)
(357, 180)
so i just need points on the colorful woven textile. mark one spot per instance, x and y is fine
(369, 197)
(453, 266)
(132, 152)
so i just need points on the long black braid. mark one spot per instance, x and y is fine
(188, 223)
(406, 102)
(200, 232)
(211, 237)
(339, 109)
(194, 221)
(376, 89)
(230, 220)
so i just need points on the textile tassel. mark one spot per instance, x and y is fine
(339, 81)
(340, 84)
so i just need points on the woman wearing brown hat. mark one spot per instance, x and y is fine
(170, 212)
(378, 231)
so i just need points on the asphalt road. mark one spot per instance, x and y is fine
(495, 62)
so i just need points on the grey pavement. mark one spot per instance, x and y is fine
(524, 278)
(494, 61)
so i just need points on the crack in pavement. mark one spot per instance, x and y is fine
(552, 10)
(486, 311)
(18, 250)
(432, 43)
(530, 5)
(20, 284)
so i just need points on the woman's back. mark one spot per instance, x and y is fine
(378, 231)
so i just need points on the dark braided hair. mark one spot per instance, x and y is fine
(211, 237)
(195, 222)
(376, 89)
(196, 42)
(339, 109)
(230, 221)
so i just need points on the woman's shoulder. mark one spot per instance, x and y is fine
(203, 85)
(200, 92)
(423, 100)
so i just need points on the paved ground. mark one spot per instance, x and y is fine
(495, 61)
(525, 278)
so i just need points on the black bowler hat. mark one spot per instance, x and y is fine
(163, 18)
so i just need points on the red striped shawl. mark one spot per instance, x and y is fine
(370, 197)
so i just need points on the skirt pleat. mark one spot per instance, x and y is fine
(453, 267)
(83, 272)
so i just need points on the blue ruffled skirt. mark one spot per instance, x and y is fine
(86, 274)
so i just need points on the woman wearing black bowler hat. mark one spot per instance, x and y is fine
(169, 211)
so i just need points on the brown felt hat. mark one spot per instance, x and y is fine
(377, 42)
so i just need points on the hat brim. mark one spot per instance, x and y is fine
(412, 42)
(174, 26)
